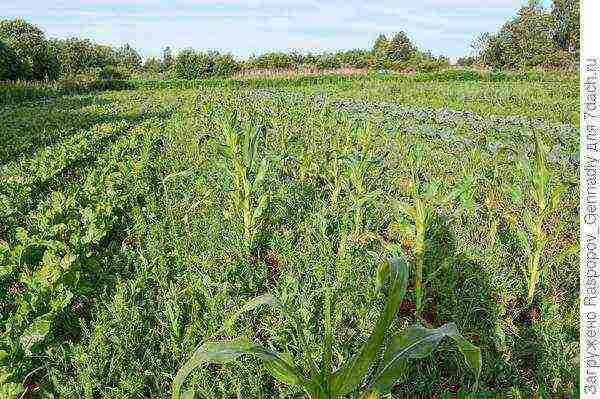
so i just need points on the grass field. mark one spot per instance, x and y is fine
(121, 249)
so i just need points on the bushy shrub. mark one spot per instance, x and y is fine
(33, 58)
(192, 65)
(465, 61)
(273, 61)
(225, 65)
(328, 61)
(152, 65)
(111, 72)
(76, 56)
(128, 58)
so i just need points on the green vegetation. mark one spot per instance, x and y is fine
(123, 246)
(537, 36)
(416, 342)
(242, 143)
(545, 197)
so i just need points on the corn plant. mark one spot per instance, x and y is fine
(358, 167)
(320, 381)
(247, 168)
(414, 214)
(333, 174)
(544, 195)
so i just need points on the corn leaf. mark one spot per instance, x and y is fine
(349, 376)
(262, 300)
(404, 208)
(227, 352)
(260, 175)
(418, 342)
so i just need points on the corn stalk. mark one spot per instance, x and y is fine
(247, 168)
(544, 195)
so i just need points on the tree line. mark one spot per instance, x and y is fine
(536, 36)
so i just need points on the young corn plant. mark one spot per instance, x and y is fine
(358, 167)
(333, 173)
(414, 214)
(247, 168)
(544, 195)
(370, 373)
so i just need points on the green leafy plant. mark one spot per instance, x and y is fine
(358, 167)
(414, 214)
(544, 195)
(321, 382)
(334, 176)
(247, 168)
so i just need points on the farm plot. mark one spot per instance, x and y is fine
(127, 237)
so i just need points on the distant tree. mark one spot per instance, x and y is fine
(400, 48)
(225, 65)
(524, 41)
(537, 36)
(77, 56)
(167, 61)
(33, 59)
(8, 63)
(466, 61)
(192, 65)
(126, 57)
(381, 44)
(274, 61)
(566, 14)
(152, 65)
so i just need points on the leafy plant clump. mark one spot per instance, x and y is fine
(544, 195)
(247, 167)
(414, 214)
(367, 373)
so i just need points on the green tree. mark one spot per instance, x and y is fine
(192, 65)
(34, 60)
(381, 44)
(225, 65)
(126, 57)
(400, 48)
(8, 63)
(167, 61)
(536, 36)
(566, 24)
(152, 65)
(77, 56)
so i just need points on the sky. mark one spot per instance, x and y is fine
(257, 26)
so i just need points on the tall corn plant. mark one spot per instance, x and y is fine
(370, 373)
(247, 168)
(415, 213)
(358, 167)
(544, 195)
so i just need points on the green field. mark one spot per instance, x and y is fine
(121, 250)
